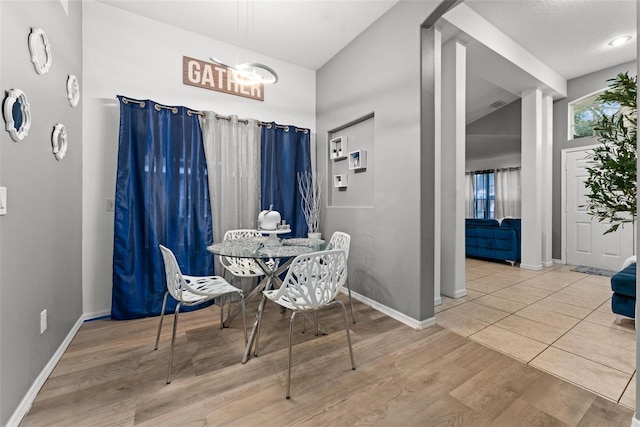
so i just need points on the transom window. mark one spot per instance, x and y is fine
(585, 112)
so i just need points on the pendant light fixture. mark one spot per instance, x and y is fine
(250, 72)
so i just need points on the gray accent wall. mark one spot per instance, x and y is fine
(40, 248)
(380, 73)
(494, 141)
(359, 192)
(504, 121)
(576, 88)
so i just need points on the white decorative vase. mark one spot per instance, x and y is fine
(269, 219)
(314, 235)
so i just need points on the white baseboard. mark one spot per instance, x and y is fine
(460, 293)
(634, 421)
(394, 314)
(547, 263)
(557, 261)
(531, 267)
(437, 300)
(28, 399)
(97, 315)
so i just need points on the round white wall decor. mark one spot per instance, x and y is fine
(39, 43)
(17, 114)
(59, 141)
(73, 90)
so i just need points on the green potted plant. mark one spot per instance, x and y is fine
(612, 174)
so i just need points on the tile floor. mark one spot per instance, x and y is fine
(555, 319)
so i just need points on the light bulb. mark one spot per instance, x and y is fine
(620, 40)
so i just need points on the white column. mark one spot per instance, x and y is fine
(635, 422)
(531, 180)
(437, 168)
(547, 178)
(453, 141)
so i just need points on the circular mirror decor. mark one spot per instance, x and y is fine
(73, 90)
(59, 141)
(39, 44)
(17, 114)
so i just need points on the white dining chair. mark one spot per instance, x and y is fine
(312, 283)
(241, 267)
(342, 240)
(189, 291)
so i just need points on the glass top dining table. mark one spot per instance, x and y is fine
(255, 247)
(273, 260)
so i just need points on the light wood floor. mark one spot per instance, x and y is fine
(111, 376)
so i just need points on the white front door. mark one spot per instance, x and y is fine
(586, 243)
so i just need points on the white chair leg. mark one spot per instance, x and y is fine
(618, 319)
(293, 315)
(164, 304)
(173, 342)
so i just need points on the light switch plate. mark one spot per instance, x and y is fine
(3, 200)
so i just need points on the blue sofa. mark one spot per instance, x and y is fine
(488, 238)
(623, 285)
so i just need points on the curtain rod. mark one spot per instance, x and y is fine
(190, 112)
(513, 168)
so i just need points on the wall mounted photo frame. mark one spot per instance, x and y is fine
(40, 50)
(358, 160)
(17, 114)
(73, 90)
(340, 181)
(59, 141)
(338, 148)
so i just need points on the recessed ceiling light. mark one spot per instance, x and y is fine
(619, 40)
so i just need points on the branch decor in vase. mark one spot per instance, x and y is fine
(309, 185)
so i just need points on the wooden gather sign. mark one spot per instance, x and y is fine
(212, 76)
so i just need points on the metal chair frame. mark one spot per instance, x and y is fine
(312, 283)
(189, 291)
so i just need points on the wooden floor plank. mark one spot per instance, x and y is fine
(111, 376)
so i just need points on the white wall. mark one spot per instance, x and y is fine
(125, 54)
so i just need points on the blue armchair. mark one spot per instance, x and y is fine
(623, 300)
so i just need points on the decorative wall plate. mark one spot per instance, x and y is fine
(39, 43)
(73, 90)
(17, 114)
(59, 141)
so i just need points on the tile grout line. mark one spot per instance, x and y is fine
(626, 387)
(583, 319)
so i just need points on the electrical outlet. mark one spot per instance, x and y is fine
(43, 321)
(111, 204)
